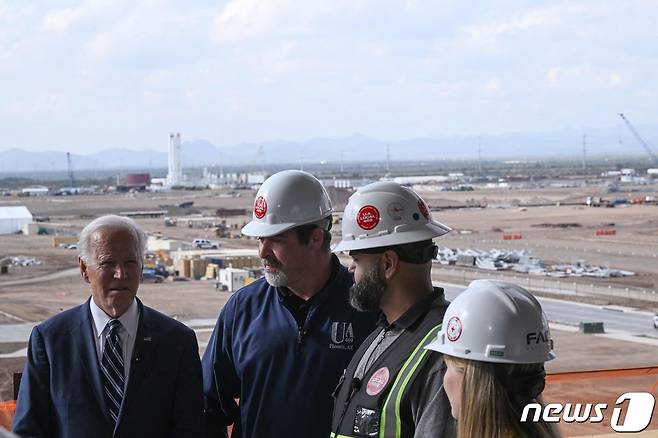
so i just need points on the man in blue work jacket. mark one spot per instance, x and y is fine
(281, 343)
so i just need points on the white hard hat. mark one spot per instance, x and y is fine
(285, 200)
(495, 321)
(386, 214)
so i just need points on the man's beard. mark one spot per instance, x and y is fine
(276, 278)
(366, 294)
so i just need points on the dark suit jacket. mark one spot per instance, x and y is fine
(61, 392)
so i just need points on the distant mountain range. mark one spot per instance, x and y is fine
(355, 148)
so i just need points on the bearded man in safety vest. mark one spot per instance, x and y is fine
(393, 387)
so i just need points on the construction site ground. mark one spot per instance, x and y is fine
(33, 293)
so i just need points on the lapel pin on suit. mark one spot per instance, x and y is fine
(138, 356)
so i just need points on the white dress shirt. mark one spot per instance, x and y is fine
(128, 332)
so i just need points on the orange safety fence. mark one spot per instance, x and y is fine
(512, 236)
(7, 409)
(597, 387)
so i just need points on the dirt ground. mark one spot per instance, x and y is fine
(634, 248)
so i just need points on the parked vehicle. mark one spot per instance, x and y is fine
(150, 277)
(204, 244)
(156, 269)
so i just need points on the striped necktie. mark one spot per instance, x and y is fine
(112, 367)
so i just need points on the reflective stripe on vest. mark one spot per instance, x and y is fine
(377, 401)
(393, 429)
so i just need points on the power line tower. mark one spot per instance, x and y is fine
(69, 168)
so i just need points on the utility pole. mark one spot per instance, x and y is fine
(70, 170)
(261, 158)
(480, 155)
(388, 158)
(584, 152)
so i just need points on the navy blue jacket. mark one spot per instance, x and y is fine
(283, 377)
(61, 392)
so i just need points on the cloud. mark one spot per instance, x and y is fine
(243, 19)
(239, 69)
(537, 19)
(584, 77)
(493, 86)
(556, 76)
(553, 76)
(504, 32)
(615, 79)
(246, 19)
(61, 20)
(43, 104)
(91, 15)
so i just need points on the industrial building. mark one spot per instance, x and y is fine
(175, 174)
(135, 181)
(12, 219)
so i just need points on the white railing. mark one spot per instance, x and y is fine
(561, 286)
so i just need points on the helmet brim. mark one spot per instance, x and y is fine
(257, 229)
(260, 229)
(439, 347)
(428, 231)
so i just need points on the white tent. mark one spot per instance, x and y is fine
(12, 219)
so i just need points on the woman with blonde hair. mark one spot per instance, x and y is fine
(495, 340)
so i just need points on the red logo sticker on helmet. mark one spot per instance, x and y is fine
(423, 209)
(454, 329)
(368, 217)
(378, 381)
(260, 207)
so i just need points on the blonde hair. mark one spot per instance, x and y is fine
(488, 409)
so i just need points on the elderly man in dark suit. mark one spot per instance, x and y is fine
(111, 367)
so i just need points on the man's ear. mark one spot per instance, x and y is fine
(317, 237)
(391, 264)
(83, 270)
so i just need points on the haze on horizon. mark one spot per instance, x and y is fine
(83, 76)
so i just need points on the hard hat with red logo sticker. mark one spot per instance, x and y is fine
(386, 214)
(495, 321)
(285, 200)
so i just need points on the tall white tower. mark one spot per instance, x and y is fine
(175, 175)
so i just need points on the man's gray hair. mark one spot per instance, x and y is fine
(110, 221)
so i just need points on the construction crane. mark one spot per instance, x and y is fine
(70, 171)
(639, 139)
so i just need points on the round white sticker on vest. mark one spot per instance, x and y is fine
(377, 381)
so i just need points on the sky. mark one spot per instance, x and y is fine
(83, 76)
